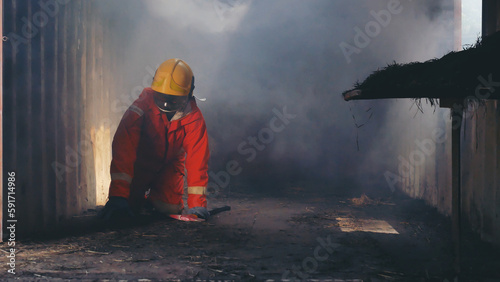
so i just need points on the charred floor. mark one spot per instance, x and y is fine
(304, 234)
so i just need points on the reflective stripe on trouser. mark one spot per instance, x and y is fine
(197, 196)
(197, 190)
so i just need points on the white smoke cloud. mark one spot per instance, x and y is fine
(252, 56)
(471, 21)
(214, 16)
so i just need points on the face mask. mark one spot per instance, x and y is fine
(170, 103)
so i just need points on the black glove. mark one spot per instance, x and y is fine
(116, 207)
(200, 212)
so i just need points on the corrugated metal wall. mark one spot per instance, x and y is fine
(56, 90)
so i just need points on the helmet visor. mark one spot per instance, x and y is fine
(170, 103)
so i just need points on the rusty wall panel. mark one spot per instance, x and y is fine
(48, 121)
(64, 152)
(88, 94)
(52, 85)
(30, 106)
(81, 61)
(79, 79)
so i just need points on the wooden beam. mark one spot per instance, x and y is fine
(456, 177)
(456, 182)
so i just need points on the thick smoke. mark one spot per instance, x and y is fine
(253, 59)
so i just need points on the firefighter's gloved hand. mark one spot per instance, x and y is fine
(116, 207)
(200, 212)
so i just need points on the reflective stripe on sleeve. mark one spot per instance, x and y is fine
(121, 176)
(136, 110)
(197, 190)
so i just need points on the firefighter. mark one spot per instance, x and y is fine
(161, 136)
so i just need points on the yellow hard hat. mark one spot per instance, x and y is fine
(173, 77)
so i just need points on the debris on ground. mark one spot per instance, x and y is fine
(364, 200)
(355, 242)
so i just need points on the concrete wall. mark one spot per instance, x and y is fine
(57, 86)
(480, 164)
(481, 171)
(423, 153)
(480, 154)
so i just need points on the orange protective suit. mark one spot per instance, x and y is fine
(149, 151)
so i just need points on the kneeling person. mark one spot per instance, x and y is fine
(161, 135)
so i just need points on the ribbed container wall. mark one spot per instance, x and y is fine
(56, 78)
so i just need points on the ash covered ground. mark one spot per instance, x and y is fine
(297, 234)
